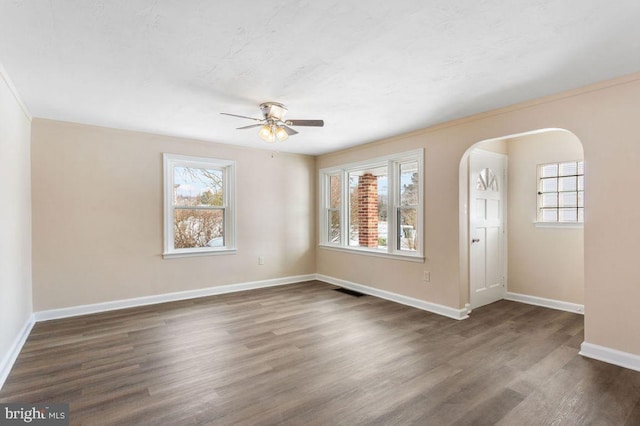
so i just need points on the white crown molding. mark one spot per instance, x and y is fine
(611, 356)
(14, 92)
(167, 297)
(10, 357)
(458, 314)
(545, 303)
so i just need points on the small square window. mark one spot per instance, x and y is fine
(561, 192)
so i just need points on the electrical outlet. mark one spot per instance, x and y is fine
(427, 276)
(260, 260)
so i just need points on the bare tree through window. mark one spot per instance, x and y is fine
(198, 207)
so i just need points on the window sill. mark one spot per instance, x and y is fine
(564, 225)
(174, 254)
(396, 256)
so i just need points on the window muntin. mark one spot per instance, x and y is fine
(379, 208)
(199, 205)
(561, 192)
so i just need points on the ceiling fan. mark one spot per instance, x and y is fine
(274, 126)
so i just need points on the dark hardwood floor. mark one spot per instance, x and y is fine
(303, 354)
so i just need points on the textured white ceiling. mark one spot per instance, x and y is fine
(370, 69)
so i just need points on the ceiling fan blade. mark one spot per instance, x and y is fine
(315, 123)
(249, 126)
(289, 130)
(241, 116)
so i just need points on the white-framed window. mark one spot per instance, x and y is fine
(374, 206)
(199, 206)
(561, 193)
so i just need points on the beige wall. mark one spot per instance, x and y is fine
(97, 216)
(543, 262)
(15, 219)
(496, 145)
(604, 118)
(89, 246)
(401, 276)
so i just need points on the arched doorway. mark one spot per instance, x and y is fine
(541, 260)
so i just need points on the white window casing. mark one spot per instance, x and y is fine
(560, 194)
(402, 241)
(226, 243)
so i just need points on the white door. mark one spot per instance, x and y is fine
(487, 198)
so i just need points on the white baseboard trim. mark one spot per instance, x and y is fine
(611, 356)
(546, 303)
(10, 358)
(167, 297)
(458, 314)
(12, 355)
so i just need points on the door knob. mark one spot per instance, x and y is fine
(475, 240)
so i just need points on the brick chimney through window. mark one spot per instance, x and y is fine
(368, 210)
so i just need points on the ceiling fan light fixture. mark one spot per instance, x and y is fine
(281, 134)
(267, 134)
(273, 126)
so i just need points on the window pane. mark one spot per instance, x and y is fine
(568, 199)
(408, 224)
(549, 200)
(580, 167)
(409, 184)
(580, 199)
(549, 170)
(550, 215)
(368, 201)
(198, 228)
(383, 236)
(568, 169)
(334, 226)
(383, 208)
(580, 183)
(568, 215)
(567, 184)
(480, 184)
(492, 182)
(581, 215)
(487, 181)
(354, 223)
(549, 185)
(334, 192)
(198, 187)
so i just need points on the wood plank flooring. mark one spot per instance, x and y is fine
(304, 354)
